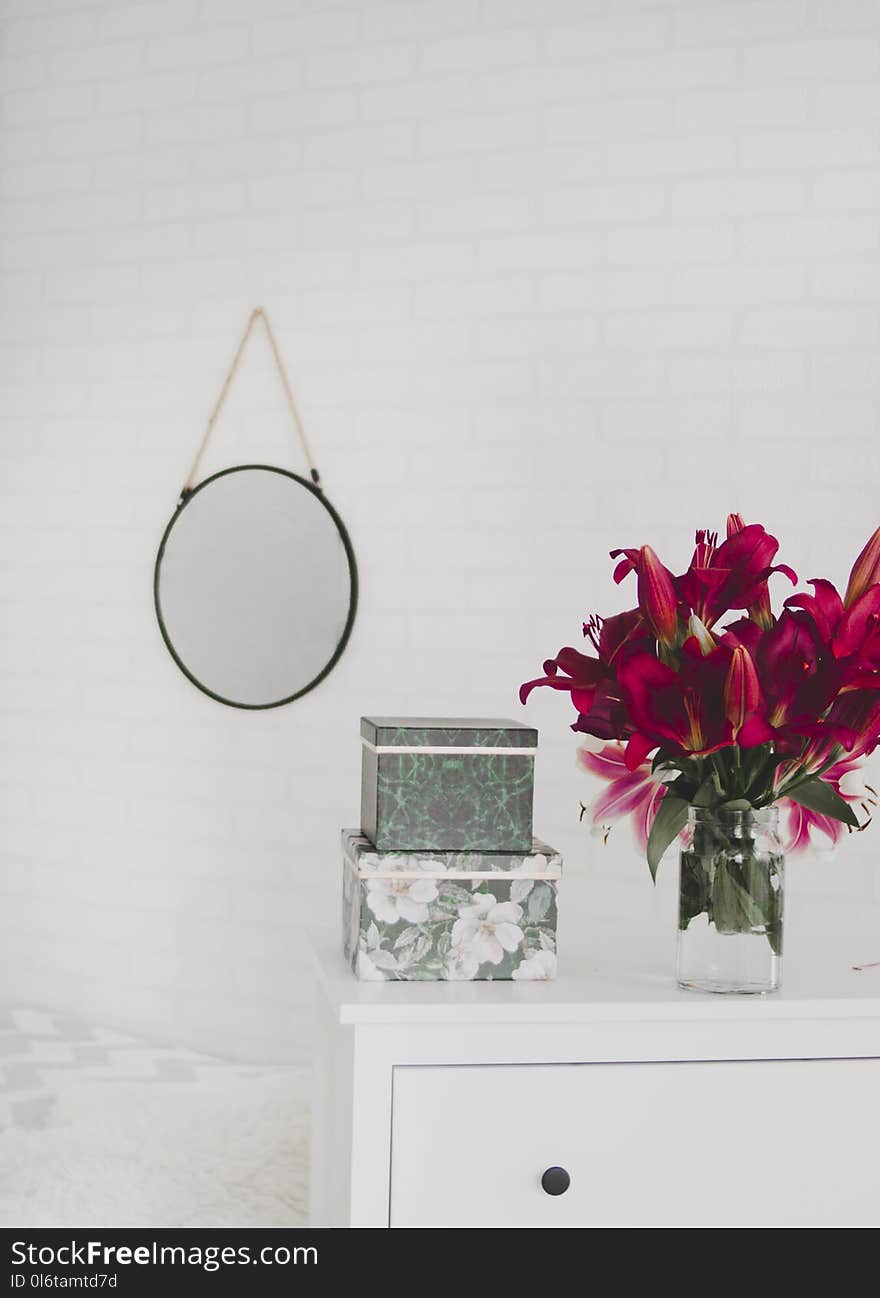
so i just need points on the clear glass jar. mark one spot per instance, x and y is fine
(730, 901)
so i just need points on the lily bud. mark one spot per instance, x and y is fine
(734, 524)
(865, 571)
(657, 598)
(741, 690)
(701, 634)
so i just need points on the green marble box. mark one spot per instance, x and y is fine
(447, 784)
(449, 916)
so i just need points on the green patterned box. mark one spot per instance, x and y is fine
(447, 784)
(456, 916)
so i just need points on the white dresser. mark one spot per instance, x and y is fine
(475, 1104)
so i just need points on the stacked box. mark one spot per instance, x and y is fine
(447, 785)
(424, 916)
(444, 880)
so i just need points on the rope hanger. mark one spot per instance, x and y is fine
(258, 313)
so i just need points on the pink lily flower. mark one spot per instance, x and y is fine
(636, 794)
(800, 826)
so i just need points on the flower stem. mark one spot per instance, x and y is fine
(718, 773)
(801, 776)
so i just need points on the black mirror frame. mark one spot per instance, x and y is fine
(352, 570)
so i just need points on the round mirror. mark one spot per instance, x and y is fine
(255, 586)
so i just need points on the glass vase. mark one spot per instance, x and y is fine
(730, 901)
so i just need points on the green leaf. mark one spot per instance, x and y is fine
(682, 787)
(817, 795)
(735, 804)
(704, 794)
(694, 888)
(774, 936)
(733, 908)
(670, 821)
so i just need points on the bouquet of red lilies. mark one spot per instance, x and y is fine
(762, 710)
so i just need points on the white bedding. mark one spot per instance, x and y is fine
(100, 1129)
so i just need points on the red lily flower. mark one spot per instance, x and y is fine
(582, 675)
(606, 718)
(591, 681)
(614, 637)
(681, 710)
(804, 689)
(745, 632)
(852, 723)
(761, 611)
(798, 677)
(851, 631)
(824, 606)
(732, 575)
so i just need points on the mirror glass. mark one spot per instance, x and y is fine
(255, 586)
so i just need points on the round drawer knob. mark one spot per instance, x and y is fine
(555, 1180)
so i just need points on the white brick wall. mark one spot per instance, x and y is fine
(551, 275)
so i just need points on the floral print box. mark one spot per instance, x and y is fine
(433, 916)
(447, 784)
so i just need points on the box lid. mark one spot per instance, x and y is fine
(367, 861)
(447, 732)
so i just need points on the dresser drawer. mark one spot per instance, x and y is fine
(778, 1142)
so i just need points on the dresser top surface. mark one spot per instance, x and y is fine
(617, 945)
(611, 970)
